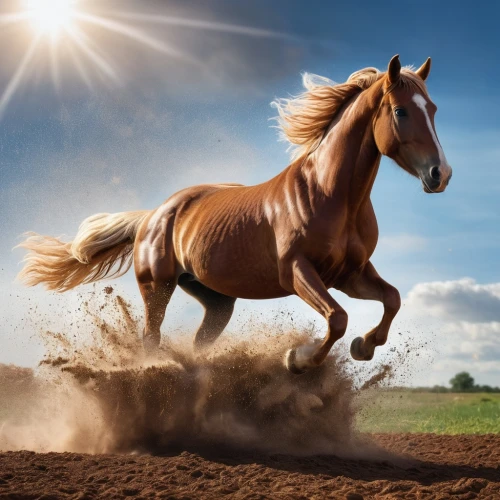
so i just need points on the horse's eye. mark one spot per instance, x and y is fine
(400, 112)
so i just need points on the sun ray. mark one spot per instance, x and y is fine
(79, 37)
(14, 18)
(15, 81)
(207, 25)
(54, 63)
(136, 35)
(73, 22)
(77, 61)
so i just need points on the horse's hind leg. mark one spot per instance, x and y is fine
(218, 310)
(156, 297)
(155, 269)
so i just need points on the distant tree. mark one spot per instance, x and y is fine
(439, 388)
(462, 382)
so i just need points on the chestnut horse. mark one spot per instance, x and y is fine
(310, 228)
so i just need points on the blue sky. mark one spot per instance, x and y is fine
(70, 151)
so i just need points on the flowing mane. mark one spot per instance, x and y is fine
(304, 119)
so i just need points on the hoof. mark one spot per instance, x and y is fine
(357, 351)
(291, 362)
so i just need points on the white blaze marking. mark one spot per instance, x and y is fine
(420, 101)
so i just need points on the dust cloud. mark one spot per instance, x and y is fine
(105, 396)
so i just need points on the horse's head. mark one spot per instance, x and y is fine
(404, 126)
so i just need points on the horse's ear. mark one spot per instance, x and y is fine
(394, 69)
(424, 70)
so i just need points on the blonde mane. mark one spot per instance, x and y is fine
(304, 119)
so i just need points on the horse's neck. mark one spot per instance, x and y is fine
(346, 163)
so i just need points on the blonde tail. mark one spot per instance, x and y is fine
(102, 248)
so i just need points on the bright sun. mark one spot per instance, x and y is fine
(50, 17)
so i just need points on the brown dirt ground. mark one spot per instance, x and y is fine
(416, 466)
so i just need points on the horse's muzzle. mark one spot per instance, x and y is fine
(436, 179)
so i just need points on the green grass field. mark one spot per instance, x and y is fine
(448, 413)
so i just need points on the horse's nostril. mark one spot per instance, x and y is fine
(435, 174)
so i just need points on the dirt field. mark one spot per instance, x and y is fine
(230, 423)
(416, 466)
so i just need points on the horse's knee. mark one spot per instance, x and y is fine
(337, 324)
(392, 300)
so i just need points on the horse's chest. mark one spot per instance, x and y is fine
(358, 252)
(347, 255)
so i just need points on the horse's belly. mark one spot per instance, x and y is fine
(245, 275)
(245, 286)
(236, 258)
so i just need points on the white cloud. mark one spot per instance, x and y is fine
(464, 318)
(473, 341)
(461, 300)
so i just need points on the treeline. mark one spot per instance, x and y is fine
(475, 388)
(461, 382)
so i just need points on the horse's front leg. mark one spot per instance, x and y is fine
(299, 276)
(368, 285)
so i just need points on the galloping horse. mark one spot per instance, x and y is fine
(310, 228)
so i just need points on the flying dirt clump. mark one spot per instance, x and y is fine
(106, 396)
